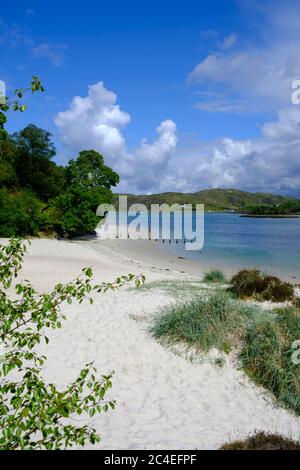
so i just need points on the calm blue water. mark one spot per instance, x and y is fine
(272, 245)
(269, 244)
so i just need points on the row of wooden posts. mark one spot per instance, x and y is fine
(163, 240)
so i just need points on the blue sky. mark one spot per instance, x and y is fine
(208, 84)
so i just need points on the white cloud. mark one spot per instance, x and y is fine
(269, 164)
(229, 41)
(255, 76)
(148, 165)
(96, 121)
(261, 79)
(53, 52)
(286, 128)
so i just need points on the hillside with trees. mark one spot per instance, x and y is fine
(215, 200)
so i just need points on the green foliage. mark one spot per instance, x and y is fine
(214, 276)
(8, 176)
(253, 283)
(20, 214)
(267, 355)
(34, 168)
(33, 413)
(88, 183)
(15, 103)
(263, 441)
(76, 210)
(286, 207)
(89, 171)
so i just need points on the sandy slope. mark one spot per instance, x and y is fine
(164, 402)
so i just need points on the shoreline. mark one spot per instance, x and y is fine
(252, 216)
(151, 254)
(148, 254)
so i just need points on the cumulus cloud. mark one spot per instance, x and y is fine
(269, 164)
(97, 121)
(148, 165)
(94, 121)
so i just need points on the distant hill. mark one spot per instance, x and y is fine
(214, 199)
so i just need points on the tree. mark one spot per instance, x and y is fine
(33, 413)
(76, 210)
(8, 176)
(89, 171)
(34, 168)
(88, 183)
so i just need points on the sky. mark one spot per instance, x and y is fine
(176, 95)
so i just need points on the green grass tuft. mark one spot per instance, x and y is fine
(203, 323)
(214, 276)
(267, 356)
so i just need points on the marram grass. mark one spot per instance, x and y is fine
(214, 276)
(267, 356)
(210, 321)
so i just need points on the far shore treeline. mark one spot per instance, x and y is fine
(223, 200)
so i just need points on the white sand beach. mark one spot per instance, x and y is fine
(163, 401)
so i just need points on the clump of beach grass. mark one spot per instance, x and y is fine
(263, 441)
(204, 322)
(267, 352)
(214, 276)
